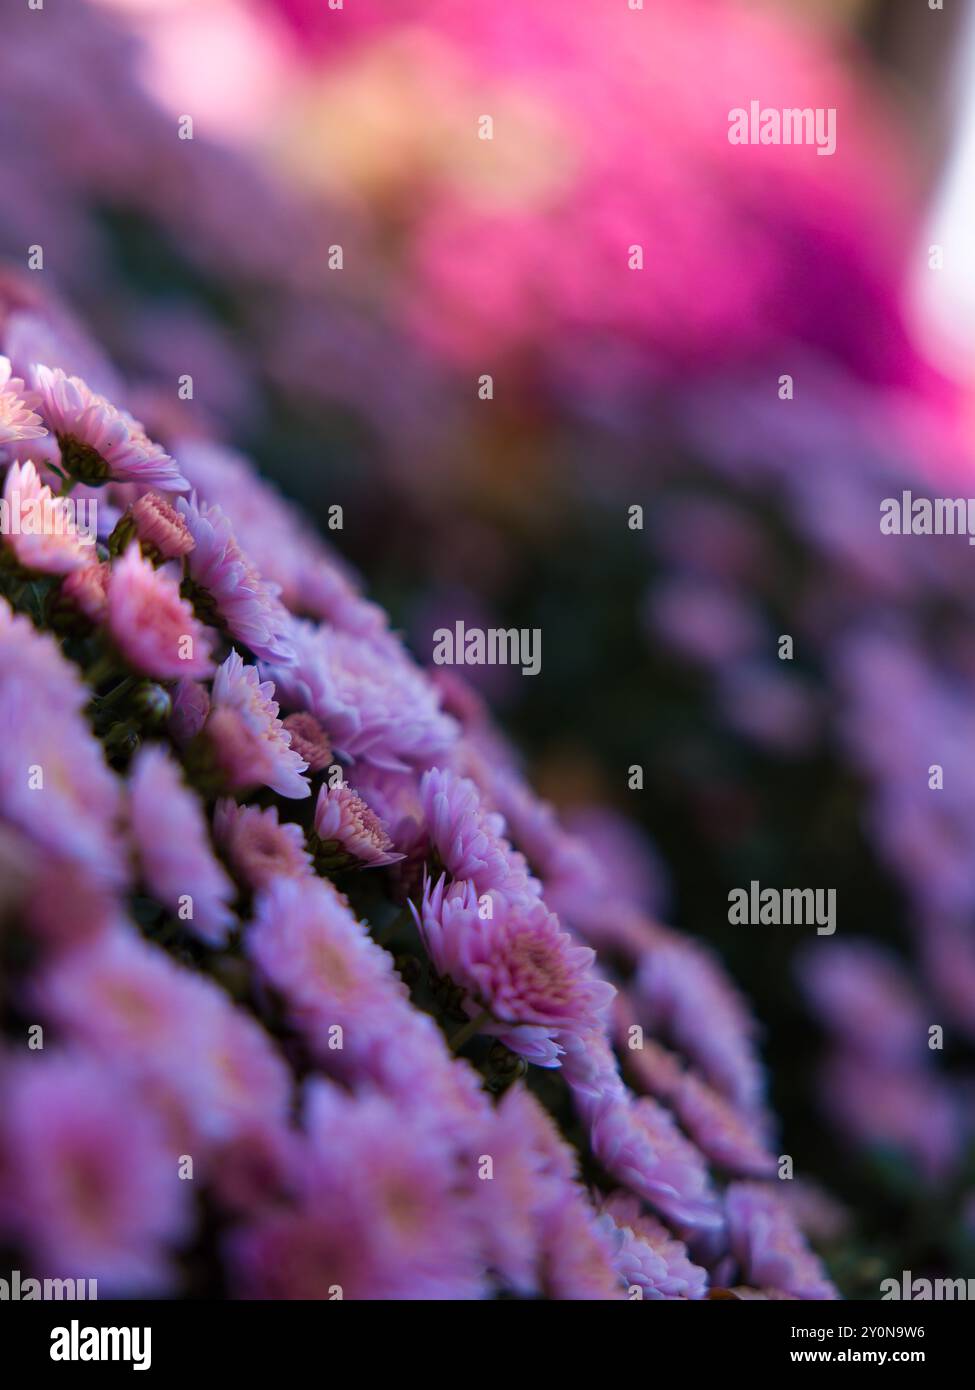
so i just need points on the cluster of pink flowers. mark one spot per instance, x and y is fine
(207, 755)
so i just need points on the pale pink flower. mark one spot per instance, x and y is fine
(578, 1260)
(650, 1258)
(170, 831)
(309, 740)
(513, 961)
(639, 1144)
(469, 840)
(92, 1181)
(87, 589)
(160, 528)
(258, 847)
(308, 946)
(208, 1066)
(245, 603)
(531, 1166)
(770, 1249)
(54, 782)
(98, 442)
(373, 700)
(39, 527)
(251, 744)
(152, 625)
(345, 825)
(191, 705)
(17, 420)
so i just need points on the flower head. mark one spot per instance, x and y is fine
(41, 528)
(209, 1068)
(191, 705)
(865, 998)
(513, 960)
(152, 624)
(17, 420)
(87, 590)
(170, 831)
(252, 746)
(373, 701)
(346, 826)
(95, 1187)
(468, 840)
(98, 442)
(307, 945)
(258, 846)
(55, 786)
(649, 1257)
(309, 740)
(639, 1143)
(162, 532)
(768, 1245)
(228, 583)
(684, 995)
(371, 1219)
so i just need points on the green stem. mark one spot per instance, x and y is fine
(472, 1026)
(116, 693)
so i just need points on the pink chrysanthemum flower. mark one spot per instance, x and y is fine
(36, 660)
(650, 1258)
(258, 847)
(309, 740)
(639, 1143)
(308, 946)
(769, 1247)
(224, 579)
(191, 705)
(578, 1251)
(54, 783)
(369, 1219)
(208, 1066)
(373, 701)
(531, 1168)
(346, 826)
(730, 1138)
(301, 1253)
(682, 994)
(735, 1140)
(153, 627)
(96, 1185)
(98, 442)
(87, 589)
(395, 797)
(40, 528)
(247, 1083)
(515, 963)
(406, 1195)
(170, 831)
(17, 420)
(252, 746)
(160, 528)
(313, 579)
(469, 841)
